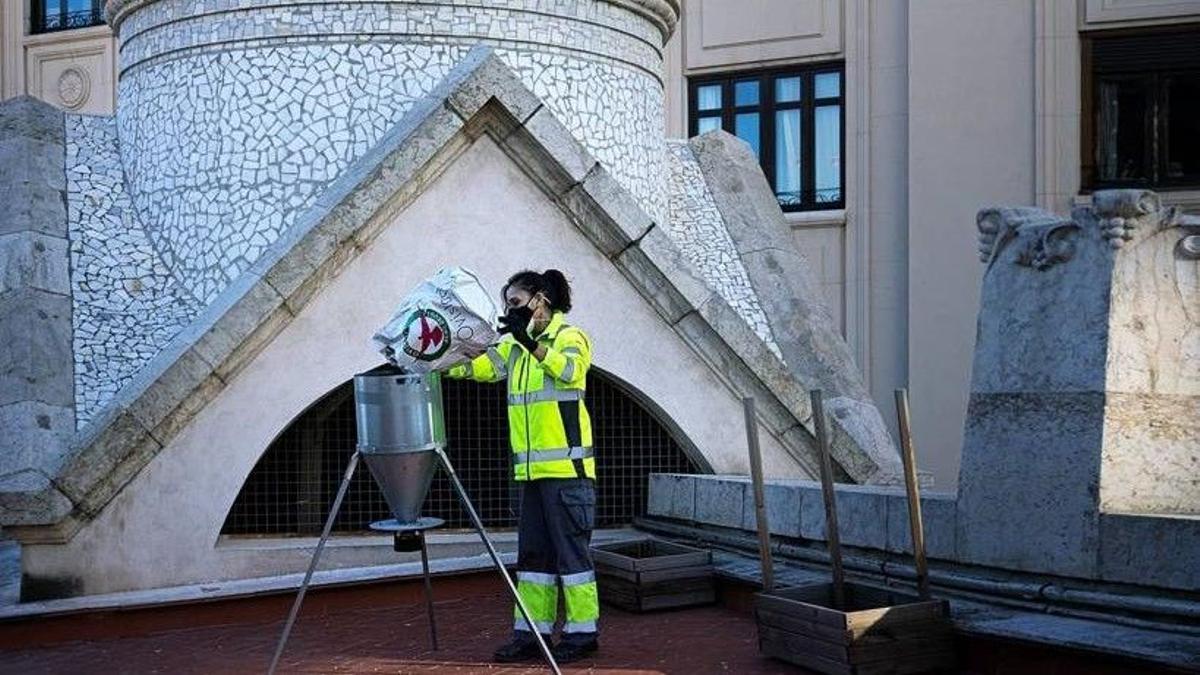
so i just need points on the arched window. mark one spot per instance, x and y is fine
(290, 490)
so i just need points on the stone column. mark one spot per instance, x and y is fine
(1085, 394)
(37, 391)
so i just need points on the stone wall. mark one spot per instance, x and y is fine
(37, 403)
(1158, 552)
(1086, 383)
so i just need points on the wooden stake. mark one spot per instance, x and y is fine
(914, 493)
(760, 505)
(830, 496)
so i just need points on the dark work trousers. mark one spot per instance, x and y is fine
(557, 518)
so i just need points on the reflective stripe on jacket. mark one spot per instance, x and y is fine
(549, 427)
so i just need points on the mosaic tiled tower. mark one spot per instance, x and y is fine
(233, 115)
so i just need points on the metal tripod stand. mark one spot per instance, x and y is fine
(475, 521)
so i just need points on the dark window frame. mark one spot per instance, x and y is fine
(766, 109)
(1096, 69)
(43, 21)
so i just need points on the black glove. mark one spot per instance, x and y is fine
(516, 322)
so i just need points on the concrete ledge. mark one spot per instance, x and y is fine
(1153, 551)
(1156, 550)
(672, 495)
(286, 583)
(244, 588)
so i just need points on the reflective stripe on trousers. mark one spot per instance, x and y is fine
(556, 520)
(539, 592)
(582, 601)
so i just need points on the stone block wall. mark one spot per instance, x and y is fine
(1150, 550)
(1086, 386)
(37, 403)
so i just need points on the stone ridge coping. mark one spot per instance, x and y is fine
(284, 583)
(787, 290)
(664, 14)
(983, 619)
(1153, 551)
(481, 95)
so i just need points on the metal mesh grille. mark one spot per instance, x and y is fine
(290, 490)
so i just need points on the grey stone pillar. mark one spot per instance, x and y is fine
(811, 345)
(37, 394)
(1085, 394)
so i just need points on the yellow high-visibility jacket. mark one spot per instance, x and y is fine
(549, 427)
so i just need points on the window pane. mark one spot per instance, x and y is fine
(787, 89)
(1121, 142)
(708, 124)
(745, 93)
(746, 125)
(708, 97)
(77, 5)
(1183, 127)
(828, 85)
(787, 157)
(828, 160)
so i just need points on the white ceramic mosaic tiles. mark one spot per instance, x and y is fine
(234, 116)
(127, 304)
(698, 230)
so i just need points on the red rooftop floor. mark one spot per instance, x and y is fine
(381, 628)
(375, 629)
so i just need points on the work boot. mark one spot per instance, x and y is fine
(573, 650)
(523, 647)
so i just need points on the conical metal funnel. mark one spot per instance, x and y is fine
(400, 429)
(404, 478)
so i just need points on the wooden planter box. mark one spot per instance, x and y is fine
(644, 575)
(878, 631)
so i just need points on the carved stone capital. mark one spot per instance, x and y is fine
(1125, 215)
(1044, 239)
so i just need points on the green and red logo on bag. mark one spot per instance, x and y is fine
(426, 335)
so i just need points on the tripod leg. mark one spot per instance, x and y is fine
(428, 593)
(312, 565)
(487, 543)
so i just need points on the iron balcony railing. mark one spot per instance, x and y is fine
(56, 21)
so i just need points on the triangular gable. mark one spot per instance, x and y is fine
(480, 96)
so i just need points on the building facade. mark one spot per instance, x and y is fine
(889, 228)
(210, 196)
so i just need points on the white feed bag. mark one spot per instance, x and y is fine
(444, 320)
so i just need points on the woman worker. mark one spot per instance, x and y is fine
(545, 361)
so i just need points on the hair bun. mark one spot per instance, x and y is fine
(558, 288)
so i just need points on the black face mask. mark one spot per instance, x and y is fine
(522, 313)
(517, 318)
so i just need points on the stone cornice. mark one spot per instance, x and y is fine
(664, 14)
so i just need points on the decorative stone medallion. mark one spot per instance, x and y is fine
(73, 88)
